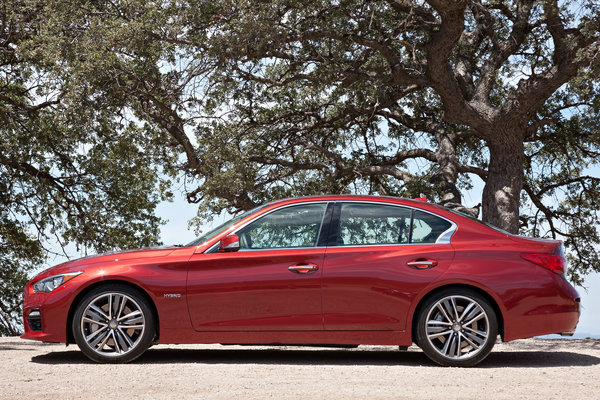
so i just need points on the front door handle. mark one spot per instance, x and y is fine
(303, 268)
(422, 264)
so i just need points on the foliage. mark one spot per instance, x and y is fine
(264, 100)
(71, 170)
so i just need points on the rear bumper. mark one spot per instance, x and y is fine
(563, 323)
(553, 308)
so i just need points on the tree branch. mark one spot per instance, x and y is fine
(501, 51)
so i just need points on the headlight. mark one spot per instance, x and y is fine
(49, 284)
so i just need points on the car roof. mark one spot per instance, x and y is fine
(353, 197)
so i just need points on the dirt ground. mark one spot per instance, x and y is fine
(524, 369)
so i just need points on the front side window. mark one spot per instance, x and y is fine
(289, 227)
(222, 227)
(362, 224)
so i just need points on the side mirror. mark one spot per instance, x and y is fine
(229, 243)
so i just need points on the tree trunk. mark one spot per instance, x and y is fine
(504, 183)
(447, 175)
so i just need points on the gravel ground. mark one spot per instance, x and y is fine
(524, 369)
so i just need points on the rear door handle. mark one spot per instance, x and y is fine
(422, 264)
(303, 268)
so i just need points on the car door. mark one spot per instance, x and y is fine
(381, 258)
(272, 283)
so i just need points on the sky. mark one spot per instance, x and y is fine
(176, 231)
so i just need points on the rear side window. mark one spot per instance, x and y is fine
(426, 228)
(372, 224)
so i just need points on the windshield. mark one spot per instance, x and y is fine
(223, 226)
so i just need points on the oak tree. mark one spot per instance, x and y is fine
(402, 97)
(247, 101)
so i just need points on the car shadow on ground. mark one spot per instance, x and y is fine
(514, 359)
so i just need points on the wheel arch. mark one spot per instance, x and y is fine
(87, 289)
(475, 289)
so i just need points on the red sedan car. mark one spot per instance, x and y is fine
(335, 270)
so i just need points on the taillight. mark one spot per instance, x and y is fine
(553, 262)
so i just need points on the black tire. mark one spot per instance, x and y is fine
(118, 336)
(456, 327)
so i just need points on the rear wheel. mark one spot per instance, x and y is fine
(457, 327)
(113, 324)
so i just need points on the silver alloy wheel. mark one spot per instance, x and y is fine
(112, 324)
(457, 327)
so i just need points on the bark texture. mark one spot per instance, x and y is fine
(502, 191)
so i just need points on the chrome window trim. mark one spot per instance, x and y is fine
(281, 248)
(382, 245)
(444, 238)
(213, 248)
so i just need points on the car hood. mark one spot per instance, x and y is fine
(112, 256)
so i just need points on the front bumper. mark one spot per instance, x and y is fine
(53, 309)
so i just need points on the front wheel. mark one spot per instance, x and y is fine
(457, 327)
(113, 324)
